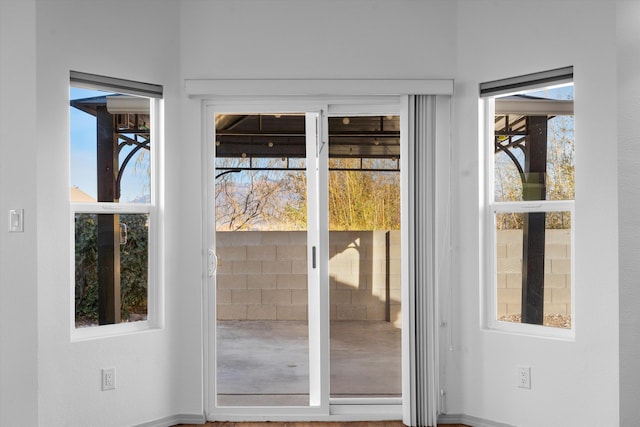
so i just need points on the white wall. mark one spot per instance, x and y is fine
(317, 39)
(291, 39)
(18, 277)
(472, 41)
(628, 51)
(161, 372)
(573, 383)
(132, 40)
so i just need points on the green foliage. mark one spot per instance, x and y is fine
(133, 266)
(86, 267)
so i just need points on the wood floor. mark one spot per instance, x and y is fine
(312, 424)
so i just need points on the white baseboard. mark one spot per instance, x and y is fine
(442, 419)
(172, 420)
(468, 420)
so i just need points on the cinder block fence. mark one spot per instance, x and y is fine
(262, 275)
(557, 272)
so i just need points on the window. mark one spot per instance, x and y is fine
(113, 198)
(530, 190)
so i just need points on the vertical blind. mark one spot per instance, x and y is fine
(423, 295)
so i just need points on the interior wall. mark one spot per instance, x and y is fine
(160, 372)
(311, 39)
(18, 277)
(499, 39)
(628, 51)
(291, 39)
(131, 40)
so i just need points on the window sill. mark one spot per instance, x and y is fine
(106, 331)
(534, 331)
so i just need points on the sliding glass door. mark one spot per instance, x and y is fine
(303, 260)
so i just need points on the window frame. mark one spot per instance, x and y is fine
(153, 209)
(489, 317)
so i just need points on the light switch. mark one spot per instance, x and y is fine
(16, 220)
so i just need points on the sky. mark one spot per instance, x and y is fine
(558, 92)
(135, 181)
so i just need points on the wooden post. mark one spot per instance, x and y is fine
(533, 228)
(108, 224)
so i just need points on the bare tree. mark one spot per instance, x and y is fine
(241, 206)
(258, 199)
(277, 200)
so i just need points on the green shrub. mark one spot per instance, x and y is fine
(133, 267)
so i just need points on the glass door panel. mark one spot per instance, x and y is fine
(261, 243)
(307, 240)
(364, 256)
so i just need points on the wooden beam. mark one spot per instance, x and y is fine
(108, 269)
(533, 239)
(108, 224)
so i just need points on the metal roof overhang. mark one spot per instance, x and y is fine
(530, 106)
(511, 112)
(271, 135)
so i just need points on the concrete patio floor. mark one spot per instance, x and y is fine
(266, 363)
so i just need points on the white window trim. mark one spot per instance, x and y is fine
(155, 275)
(489, 302)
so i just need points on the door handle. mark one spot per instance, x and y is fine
(213, 263)
(313, 256)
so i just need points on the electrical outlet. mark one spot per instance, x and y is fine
(524, 377)
(108, 379)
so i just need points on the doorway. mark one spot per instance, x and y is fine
(304, 260)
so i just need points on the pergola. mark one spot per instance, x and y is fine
(122, 121)
(260, 136)
(521, 124)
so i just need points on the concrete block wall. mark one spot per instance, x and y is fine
(362, 276)
(262, 275)
(557, 272)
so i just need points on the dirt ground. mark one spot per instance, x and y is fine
(554, 320)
